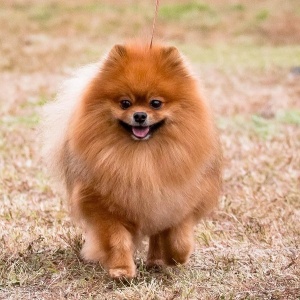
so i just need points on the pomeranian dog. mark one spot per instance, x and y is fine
(135, 146)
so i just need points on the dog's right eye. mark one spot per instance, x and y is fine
(125, 104)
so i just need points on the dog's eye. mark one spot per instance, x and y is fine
(156, 104)
(125, 104)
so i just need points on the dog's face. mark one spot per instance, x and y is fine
(142, 116)
(142, 89)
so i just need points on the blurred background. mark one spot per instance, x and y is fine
(68, 33)
(247, 55)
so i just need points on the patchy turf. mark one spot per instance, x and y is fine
(249, 248)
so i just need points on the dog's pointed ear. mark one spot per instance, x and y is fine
(118, 50)
(115, 56)
(117, 53)
(173, 60)
(170, 51)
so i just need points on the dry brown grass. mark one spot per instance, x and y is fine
(249, 249)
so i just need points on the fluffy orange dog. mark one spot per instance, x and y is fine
(137, 150)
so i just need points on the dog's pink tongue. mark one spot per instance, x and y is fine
(140, 132)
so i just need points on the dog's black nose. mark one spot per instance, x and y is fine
(140, 117)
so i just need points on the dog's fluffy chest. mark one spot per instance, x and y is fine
(152, 209)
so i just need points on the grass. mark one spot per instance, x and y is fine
(249, 247)
(249, 56)
(182, 10)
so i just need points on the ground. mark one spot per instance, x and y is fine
(247, 54)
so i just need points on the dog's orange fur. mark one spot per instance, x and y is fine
(121, 189)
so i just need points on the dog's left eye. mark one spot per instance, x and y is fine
(156, 104)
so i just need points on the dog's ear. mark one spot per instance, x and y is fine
(170, 51)
(116, 55)
(172, 60)
(118, 50)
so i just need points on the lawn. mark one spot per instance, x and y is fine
(247, 54)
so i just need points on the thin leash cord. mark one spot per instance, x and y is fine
(154, 21)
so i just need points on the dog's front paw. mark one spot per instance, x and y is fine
(122, 273)
(155, 264)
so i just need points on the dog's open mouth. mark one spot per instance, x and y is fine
(142, 132)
